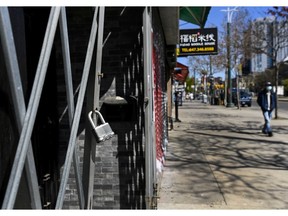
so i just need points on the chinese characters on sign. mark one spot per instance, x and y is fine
(198, 42)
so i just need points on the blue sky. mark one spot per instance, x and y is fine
(217, 16)
(215, 19)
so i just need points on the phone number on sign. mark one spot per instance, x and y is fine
(198, 49)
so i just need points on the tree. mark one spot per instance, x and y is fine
(189, 83)
(269, 37)
(199, 63)
(237, 42)
(279, 12)
(238, 39)
(261, 78)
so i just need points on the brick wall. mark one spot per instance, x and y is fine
(106, 182)
(123, 76)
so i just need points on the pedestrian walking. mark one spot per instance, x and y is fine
(222, 97)
(191, 96)
(267, 101)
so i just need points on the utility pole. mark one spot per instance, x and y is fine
(211, 78)
(229, 89)
(194, 94)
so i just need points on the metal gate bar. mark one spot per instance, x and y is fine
(150, 151)
(76, 119)
(67, 63)
(18, 100)
(70, 98)
(93, 101)
(99, 58)
(30, 115)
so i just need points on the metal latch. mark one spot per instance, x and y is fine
(103, 131)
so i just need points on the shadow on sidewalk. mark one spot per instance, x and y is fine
(212, 163)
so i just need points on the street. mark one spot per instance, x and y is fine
(217, 158)
(282, 105)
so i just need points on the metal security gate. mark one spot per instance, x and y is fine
(160, 99)
(25, 117)
(154, 110)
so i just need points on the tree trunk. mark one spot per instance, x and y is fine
(276, 91)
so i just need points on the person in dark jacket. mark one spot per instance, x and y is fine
(267, 101)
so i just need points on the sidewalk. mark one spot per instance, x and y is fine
(217, 158)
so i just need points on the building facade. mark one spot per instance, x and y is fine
(273, 43)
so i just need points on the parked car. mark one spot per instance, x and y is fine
(245, 99)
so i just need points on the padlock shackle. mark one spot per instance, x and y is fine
(90, 119)
(98, 113)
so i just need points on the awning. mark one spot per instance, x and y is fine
(194, 15)
(181, 77)
(170, 23)
(180, 74)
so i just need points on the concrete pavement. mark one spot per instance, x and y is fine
(217, 158)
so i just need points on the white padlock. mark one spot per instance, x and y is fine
(103, 131)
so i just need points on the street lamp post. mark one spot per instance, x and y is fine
(229, 18)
